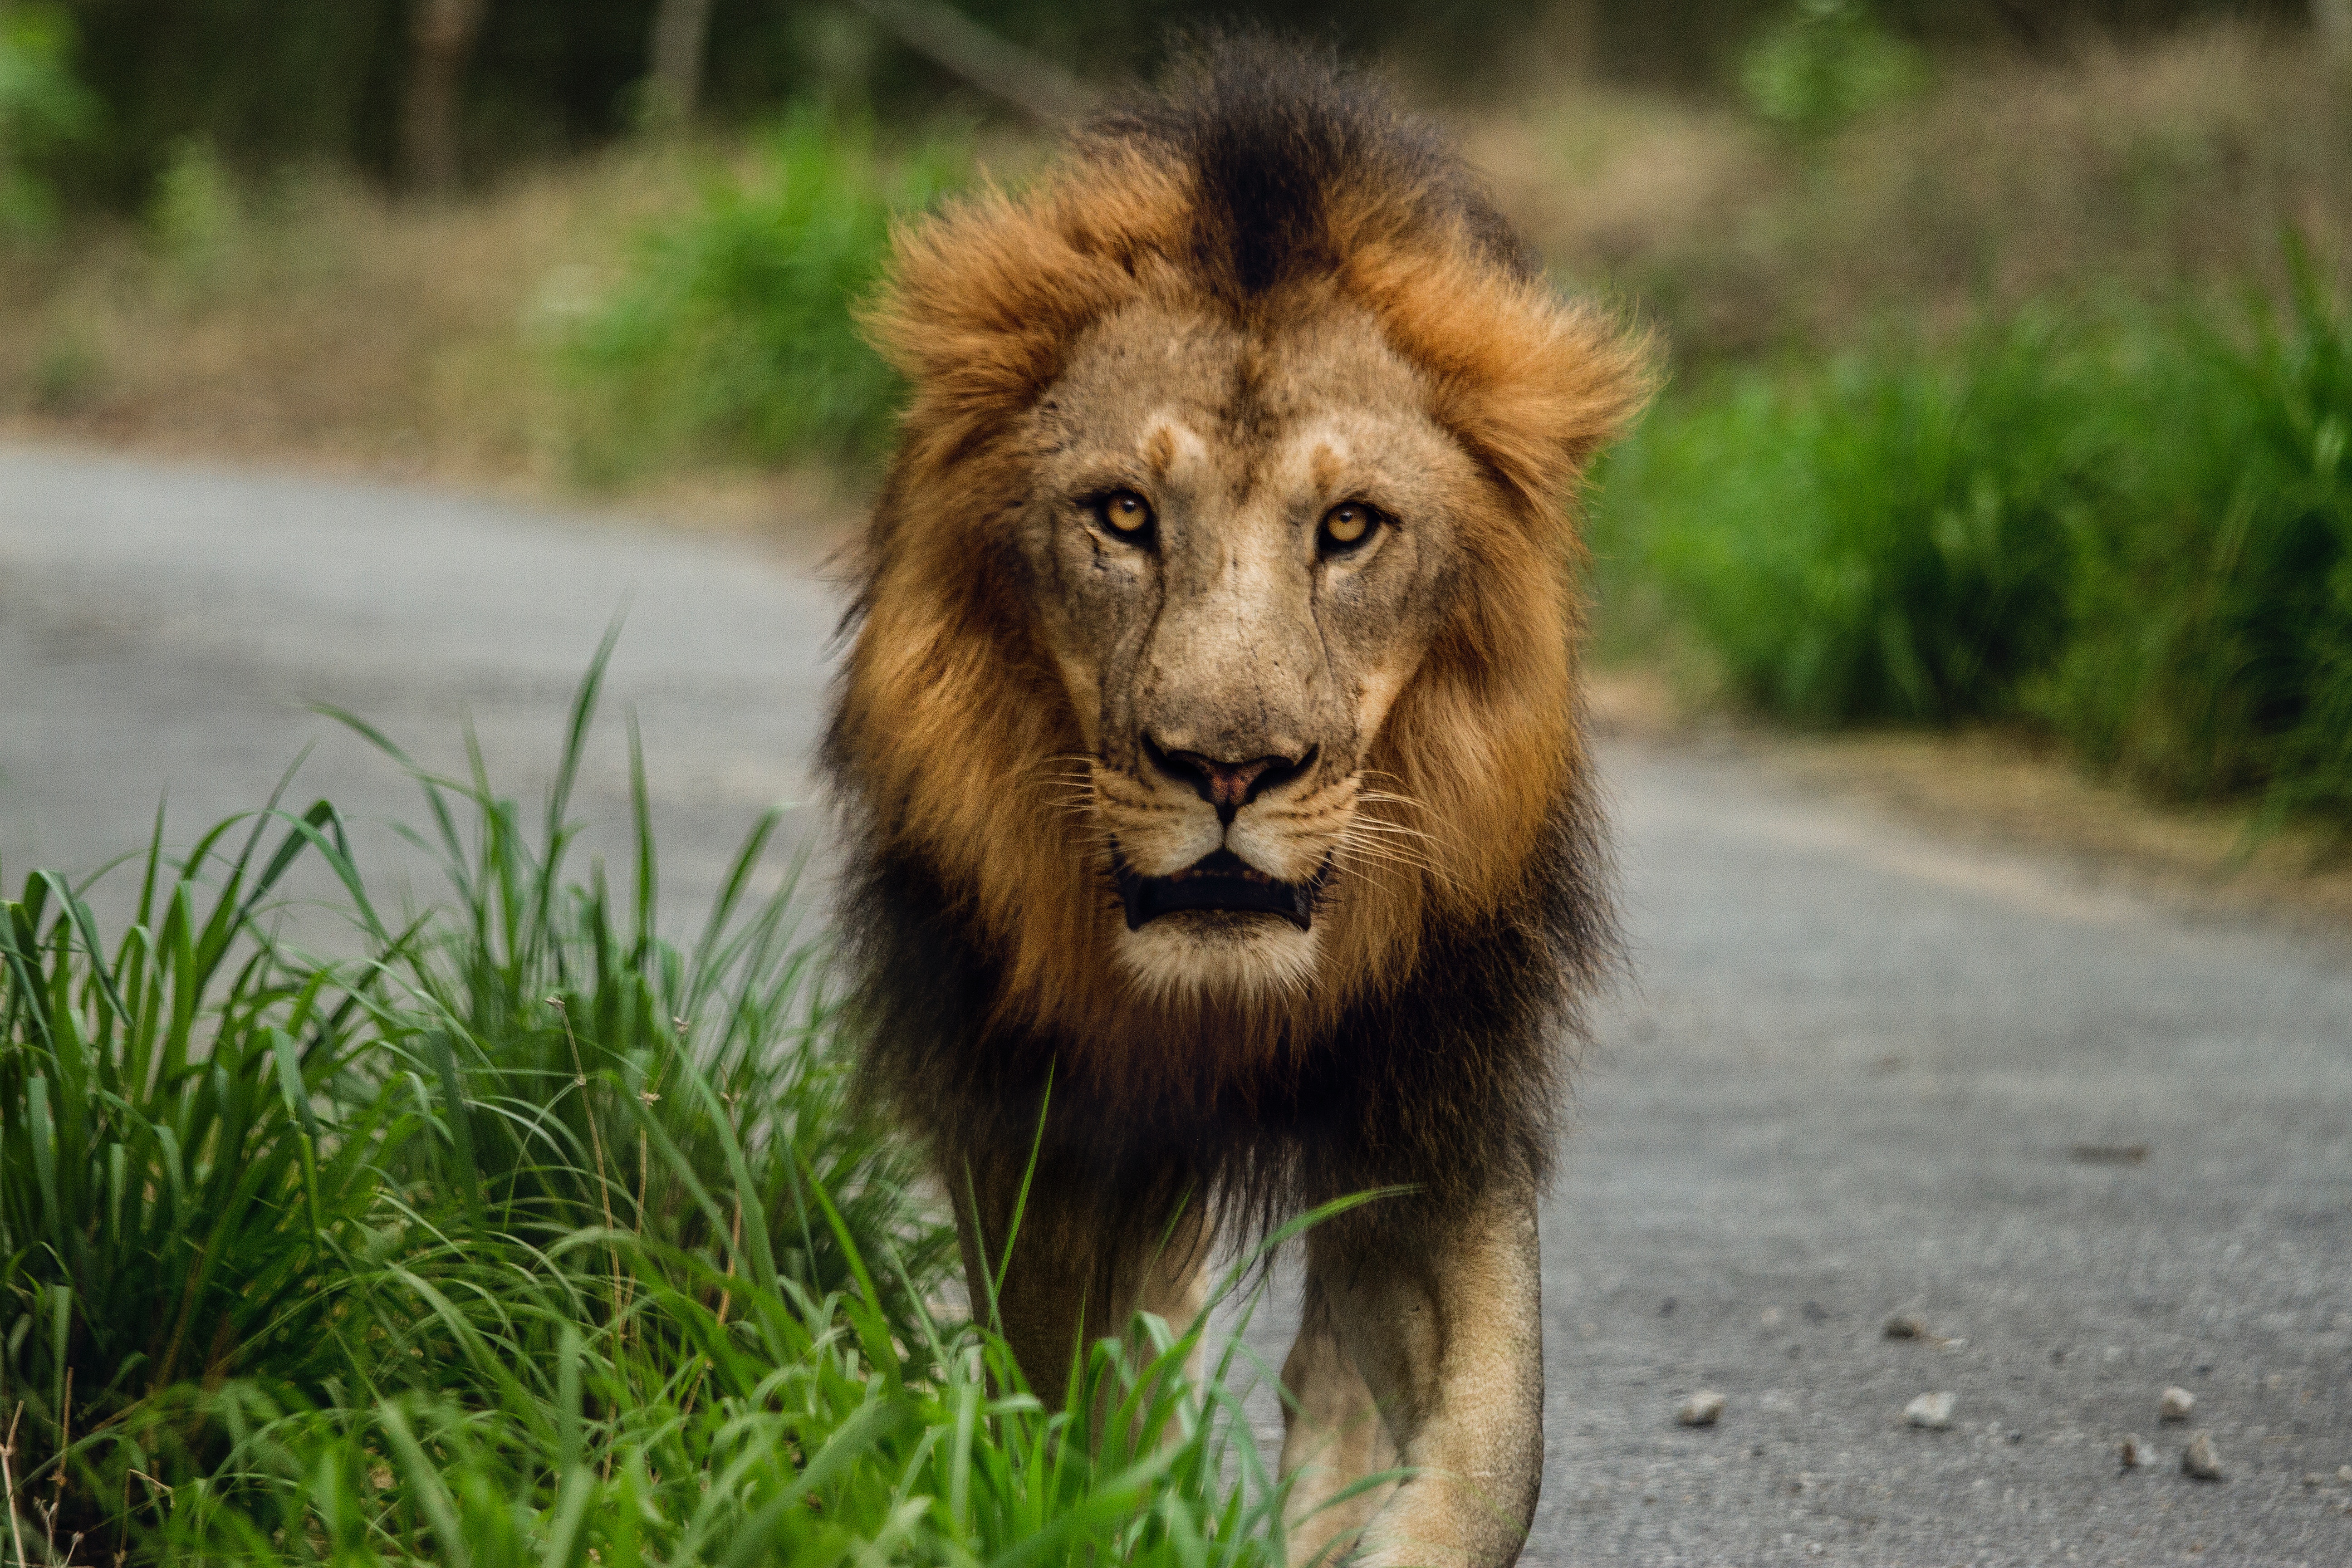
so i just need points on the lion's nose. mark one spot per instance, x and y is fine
(1228, 787)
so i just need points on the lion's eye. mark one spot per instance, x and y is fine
(1346, 526)
(1125, 513)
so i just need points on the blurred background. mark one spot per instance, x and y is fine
(2010, 382)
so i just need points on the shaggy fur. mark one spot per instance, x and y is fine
(1428, 1046)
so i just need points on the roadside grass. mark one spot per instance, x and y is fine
(732, 333)
(2132, 528)
(2211, 653)
(527, 1234)
(1885, 538)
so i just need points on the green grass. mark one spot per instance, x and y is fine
(526, 1235)
(1887, 538)
(2212, 649)
(2131, 528)
(732, 335)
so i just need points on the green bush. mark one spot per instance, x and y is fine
(1887, 539)
(2135, 531)
(196, 214)
(2214, 652)
(1823, 63)
(43, 107)
(527, 1234)
(732, 333)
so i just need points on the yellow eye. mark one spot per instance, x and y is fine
(1347, 525)
(1125, 512)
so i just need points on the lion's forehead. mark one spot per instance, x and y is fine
(1200, 404)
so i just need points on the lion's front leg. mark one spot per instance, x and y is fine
(1448, 1338)
(1064, 1275)
(1332, 1438)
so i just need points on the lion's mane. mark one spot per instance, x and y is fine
(1432, 1046)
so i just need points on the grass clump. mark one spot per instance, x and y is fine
(527, 1233)
(1885, 539)
(2214, 652)
(2134, 531)
(732, 335)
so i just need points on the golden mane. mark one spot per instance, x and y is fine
(953, 723)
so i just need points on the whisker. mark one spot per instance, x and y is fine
(1396, 832)
(1382, 824)
(1387, 854)
(1377, 871)
(1372, 849)
(1403, 854)
(1390, 797)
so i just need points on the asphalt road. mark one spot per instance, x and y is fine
(1863, 1071)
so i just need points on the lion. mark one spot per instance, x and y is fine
(1221, 837)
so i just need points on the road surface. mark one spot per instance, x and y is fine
(2094, 1145)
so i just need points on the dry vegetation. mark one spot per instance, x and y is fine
(315, 320)
(2149, 168)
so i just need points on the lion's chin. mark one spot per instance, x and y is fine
(1200, 954)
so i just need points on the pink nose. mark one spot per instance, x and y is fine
(1228, 787)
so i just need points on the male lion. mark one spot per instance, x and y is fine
(1211, 746)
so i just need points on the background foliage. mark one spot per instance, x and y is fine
(44, 109)
(733, 330)
(265, 81)
(2133, 528)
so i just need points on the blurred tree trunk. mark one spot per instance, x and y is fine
(680, 31)
(441, 36)
(948, 37)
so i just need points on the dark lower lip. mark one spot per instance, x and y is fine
(1221, 881)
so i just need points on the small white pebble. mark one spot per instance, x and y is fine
(2314, 1478)
(2176, 1404)
(2129, 1452)
(2200, 1460)
(1701, 1409)
(1933, 1411)
(2344, 1474)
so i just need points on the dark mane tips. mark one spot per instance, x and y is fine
(1275, 132)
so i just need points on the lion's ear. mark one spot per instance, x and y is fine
(1533, 383)
(983, 299)
(974, 301)
(1568, 377)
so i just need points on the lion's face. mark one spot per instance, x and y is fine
(1239, 546)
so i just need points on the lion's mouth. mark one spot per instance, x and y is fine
(1220, 880)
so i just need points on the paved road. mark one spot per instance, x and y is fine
(1856, 1077)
